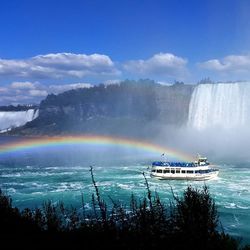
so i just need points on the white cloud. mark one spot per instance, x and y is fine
(16, 67)
(15, 100)
(231, 63)
(3, 90)
(33, 92)
(38, 92)
(30, 75)
(164, 64)
(59, 65)
(22, 85)
(96, 66)
(22, 92)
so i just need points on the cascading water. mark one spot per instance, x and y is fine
(225, 105)
(11, 119)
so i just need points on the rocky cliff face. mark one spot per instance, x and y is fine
(126, 109)
(173, 103)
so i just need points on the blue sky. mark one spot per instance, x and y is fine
(50, 46)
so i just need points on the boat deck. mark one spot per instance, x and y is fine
(175, 164)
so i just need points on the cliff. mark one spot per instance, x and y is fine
(130, 108)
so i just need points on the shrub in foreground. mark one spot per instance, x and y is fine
(188, 222)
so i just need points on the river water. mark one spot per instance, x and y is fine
(31, 178)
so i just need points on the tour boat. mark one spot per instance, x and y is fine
(197, 170)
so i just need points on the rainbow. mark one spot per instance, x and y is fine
(41, 142)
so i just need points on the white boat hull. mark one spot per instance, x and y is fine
(194, 177)
(196, 173)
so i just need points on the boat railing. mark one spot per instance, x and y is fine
(173, 164)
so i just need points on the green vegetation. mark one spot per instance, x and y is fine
(118, 109)
(205, 80)
(188, 222)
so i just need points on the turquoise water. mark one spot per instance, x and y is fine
(34, 177)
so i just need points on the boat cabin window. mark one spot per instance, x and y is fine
(205, 171)
(197, 171)
(178, 171)
(166, 171)
(172, 171)
(159, 171)
(183, 171)
(190, 171)
(153, 170)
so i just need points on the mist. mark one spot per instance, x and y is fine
(209, 119)
(218, 123)
(216, 143)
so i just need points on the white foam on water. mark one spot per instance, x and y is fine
(11, 191)
(243, 207)
(38, 193)
(230, 205)
(12, 175)
(125, 186)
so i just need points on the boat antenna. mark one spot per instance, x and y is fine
(163, 155)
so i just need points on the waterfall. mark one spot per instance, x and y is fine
(11, 119)
(225, 105)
